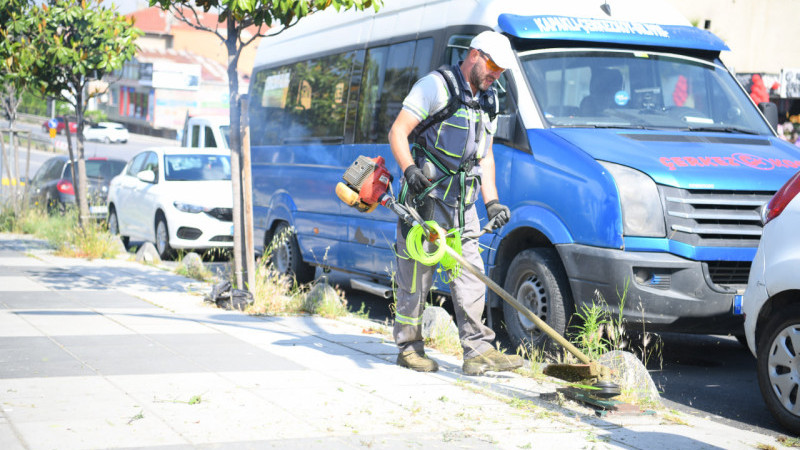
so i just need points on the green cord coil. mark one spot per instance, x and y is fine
(416, 239)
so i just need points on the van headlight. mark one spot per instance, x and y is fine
(642, 214)
(187, 207)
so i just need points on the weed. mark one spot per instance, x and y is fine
(275, 293)
(136, 417)
(672, 418)
(194, 271)
(61, 231)
(762, 446)
(789, 442)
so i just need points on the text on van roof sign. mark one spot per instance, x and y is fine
(609, 31)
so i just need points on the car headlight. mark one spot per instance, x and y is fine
(642, 214)
(189, 208)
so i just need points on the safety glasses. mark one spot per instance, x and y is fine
(490, 64)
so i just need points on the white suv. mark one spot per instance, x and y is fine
(771, 305)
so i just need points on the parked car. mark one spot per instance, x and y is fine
(60, 125)
(771, 304)
(106, 132)
(53, 186)
(178, 198)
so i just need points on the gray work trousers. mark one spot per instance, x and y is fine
(414, 281)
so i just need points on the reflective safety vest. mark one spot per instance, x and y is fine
(449, 144)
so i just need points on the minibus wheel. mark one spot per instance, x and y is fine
(537, 279)
(286, 257)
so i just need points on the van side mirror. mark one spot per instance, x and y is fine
(148, 176)
(506, 124)
(770, 111)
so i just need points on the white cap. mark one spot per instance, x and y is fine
(496, 46)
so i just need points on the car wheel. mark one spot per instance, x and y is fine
(113, 226)
(778, 367)
(285, 255)
(162, 238)
(537, 279)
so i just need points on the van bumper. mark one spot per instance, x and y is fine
(664, 292)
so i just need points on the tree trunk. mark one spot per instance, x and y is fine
(82, 188)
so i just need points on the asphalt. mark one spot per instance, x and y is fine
(117, 354)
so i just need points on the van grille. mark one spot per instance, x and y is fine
(710, 218)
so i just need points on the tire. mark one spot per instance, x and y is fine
(286, 257)
(162, 237)
(537, 279)
(778, 367)
(113, 226)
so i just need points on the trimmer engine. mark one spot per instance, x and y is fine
(367, 180)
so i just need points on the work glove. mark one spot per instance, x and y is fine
(499, 212)
(416, 180)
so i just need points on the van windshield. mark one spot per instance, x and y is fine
(608, 88)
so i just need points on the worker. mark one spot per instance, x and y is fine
(448, 117)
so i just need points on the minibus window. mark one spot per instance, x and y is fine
(301, 102)
(389, 73)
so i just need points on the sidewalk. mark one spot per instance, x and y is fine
(115, 354)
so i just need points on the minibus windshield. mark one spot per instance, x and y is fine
(628, 89)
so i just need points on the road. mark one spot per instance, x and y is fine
(135, 144)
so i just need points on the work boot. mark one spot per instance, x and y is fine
(416, 361)
(493, 360)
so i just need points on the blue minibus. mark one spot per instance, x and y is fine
(634, 164)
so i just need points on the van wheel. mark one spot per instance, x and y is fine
(286, 257)
(778, 367)
(538, 281)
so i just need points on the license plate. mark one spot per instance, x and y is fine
(98, 209)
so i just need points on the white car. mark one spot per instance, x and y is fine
(106, 132)
(178, 198)
(771, 305)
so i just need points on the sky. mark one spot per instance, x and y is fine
(127, 6)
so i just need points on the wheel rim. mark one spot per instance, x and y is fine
(281, 257)
(532, 295)
(162, 238)
(782, 366)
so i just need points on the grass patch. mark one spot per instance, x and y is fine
(62, 232)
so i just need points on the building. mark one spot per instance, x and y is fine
(762, 36)
(178, 70)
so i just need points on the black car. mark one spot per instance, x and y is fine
(53, 187)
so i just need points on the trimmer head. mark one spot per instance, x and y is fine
(605, 389)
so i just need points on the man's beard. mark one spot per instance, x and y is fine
(477, 79)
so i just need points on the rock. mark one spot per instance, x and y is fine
(148, 254)
(118, 245)
(192, 261)
(321, 294)
(436, 322)
(632, 377)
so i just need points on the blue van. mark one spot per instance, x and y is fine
(634, 164)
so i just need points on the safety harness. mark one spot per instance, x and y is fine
(418, 147)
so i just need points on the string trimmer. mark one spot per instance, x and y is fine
(368, 184)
